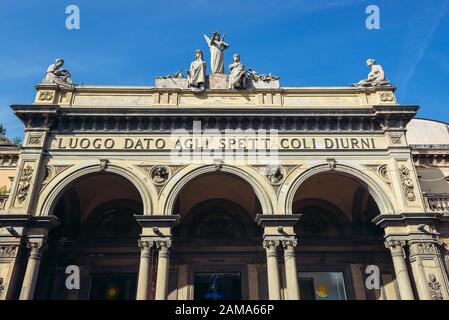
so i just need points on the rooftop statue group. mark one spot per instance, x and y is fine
(239, 76)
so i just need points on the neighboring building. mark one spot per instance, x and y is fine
(9, 155)
(108, 181)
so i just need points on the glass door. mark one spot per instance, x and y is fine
(321, 286)
(217, 286)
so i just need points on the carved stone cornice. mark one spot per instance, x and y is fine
(395, 246)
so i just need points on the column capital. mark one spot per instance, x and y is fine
(163, 244)
(145, 244)
(289, 243)
(271, 243)
(395, 246)
(36, 249)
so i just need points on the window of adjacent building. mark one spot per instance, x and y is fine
(321, 286)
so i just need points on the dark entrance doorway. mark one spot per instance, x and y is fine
(119, 286)
(217, 286)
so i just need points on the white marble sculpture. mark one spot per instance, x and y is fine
(376, 77)
(57, 75)
(217, 46)
(196, 75)
(237, 74)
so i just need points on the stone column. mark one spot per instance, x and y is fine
(162, 269)
(274, 287)
(291, 274)
(144, 280)
(400, 268)
(32, 270)
(430, 276)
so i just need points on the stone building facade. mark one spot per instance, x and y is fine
(263, 193)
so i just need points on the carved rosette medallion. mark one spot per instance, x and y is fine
(407, 183)
(434, 288)
(275, 174)
(160, 174)
(24, 183)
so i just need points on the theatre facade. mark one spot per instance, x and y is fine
(223, 187)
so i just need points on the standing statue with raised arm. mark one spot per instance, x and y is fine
(216, 45)
(375, 78)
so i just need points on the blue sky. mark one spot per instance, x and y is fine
(306, 43)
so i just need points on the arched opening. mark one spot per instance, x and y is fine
(217, 243)
(338, 240)
(98, 234)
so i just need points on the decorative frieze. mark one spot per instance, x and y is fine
(160, 123)
(24, 183)
(407, 183)
(8, 251)
(423, 248)
(434, 288)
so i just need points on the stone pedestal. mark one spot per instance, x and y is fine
(217, 81)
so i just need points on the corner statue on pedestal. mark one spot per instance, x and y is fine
(217, 46)
(196, 75)
(375, 78)
(57, 75)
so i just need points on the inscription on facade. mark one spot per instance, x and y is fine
(221, 142)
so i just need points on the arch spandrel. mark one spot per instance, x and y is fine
(261, 187)
(375, 186)
(55, 188)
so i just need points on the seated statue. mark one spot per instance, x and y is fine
(237, 74)
(196, 75)
(375, 78)
(57, 75)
